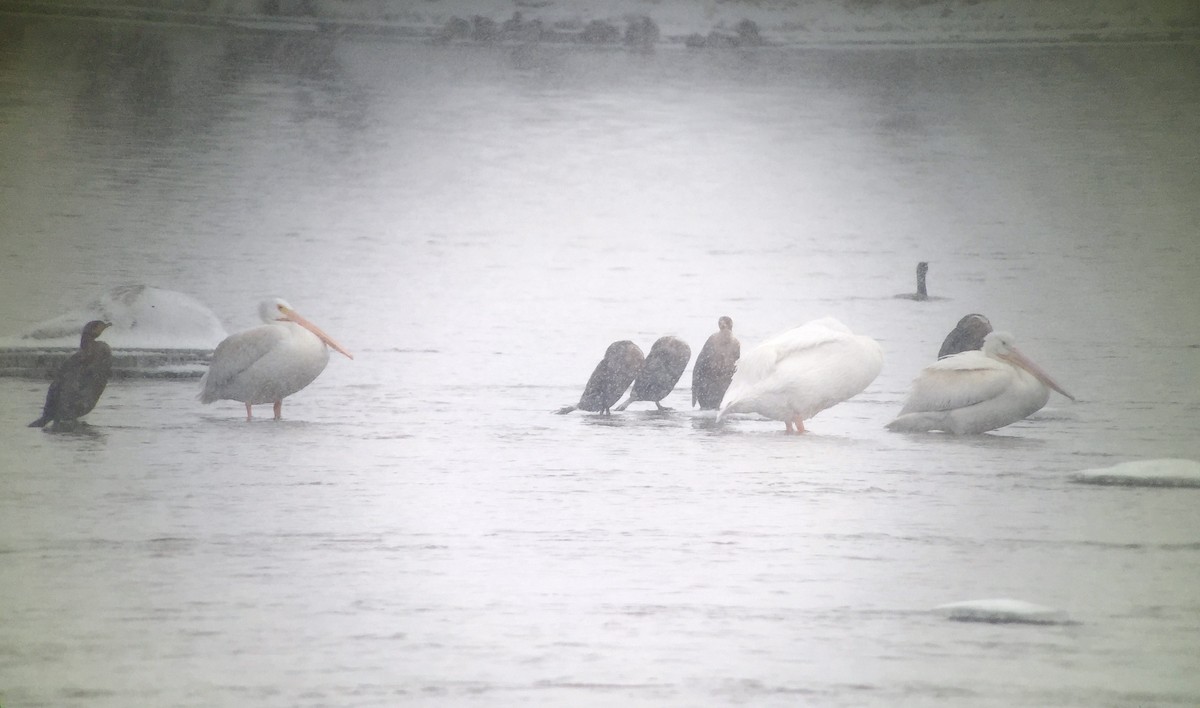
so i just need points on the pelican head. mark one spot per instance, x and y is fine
(278, 310)
(725, 324)
(999, 345)
(274, 310)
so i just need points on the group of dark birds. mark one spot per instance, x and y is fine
(654, 376)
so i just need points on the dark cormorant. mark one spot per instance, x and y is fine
(714, 367)
(621, 363)
(968, 334)
(921, 294)
(664, 365)
(79, 381)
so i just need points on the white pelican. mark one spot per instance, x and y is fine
(801, 372)
(976, 391)
(267, 363)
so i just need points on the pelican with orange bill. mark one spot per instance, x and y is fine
(267, 363)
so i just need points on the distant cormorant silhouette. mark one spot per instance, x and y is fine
(714, 366)
(921, 293)
(621, 363)
(79, 381)
(660, 372)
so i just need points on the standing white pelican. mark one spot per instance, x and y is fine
(976, 391)
(801, 372)
(267, 363)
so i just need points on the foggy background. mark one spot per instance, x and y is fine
(477, 217)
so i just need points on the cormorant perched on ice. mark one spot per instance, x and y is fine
(714, 367)
(79, 381)
(664, 365)
(968, 334)
(621, 363)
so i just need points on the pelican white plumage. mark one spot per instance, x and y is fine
(267, 363)
(801, 372)
(976, 391)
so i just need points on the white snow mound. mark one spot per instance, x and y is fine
(1165, 472)
(1002, 611)
(142, 317)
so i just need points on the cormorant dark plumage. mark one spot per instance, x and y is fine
(921, 294)
(714, 367)
(967, 335)
(621, 363)
(665, 363)
(79, 381)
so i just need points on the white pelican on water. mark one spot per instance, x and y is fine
(267, 363)
(801, 372)
(976, 391)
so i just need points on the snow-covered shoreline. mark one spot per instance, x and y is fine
(699, 23)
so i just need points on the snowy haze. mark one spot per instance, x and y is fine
(477, 223)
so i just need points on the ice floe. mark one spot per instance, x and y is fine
(154, 332)
(1164, 472)
(1002, 611)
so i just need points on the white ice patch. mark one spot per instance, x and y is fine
(1002, 611)
(1144, 473)
(142, 317)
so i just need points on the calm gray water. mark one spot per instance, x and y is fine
(476, 225)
